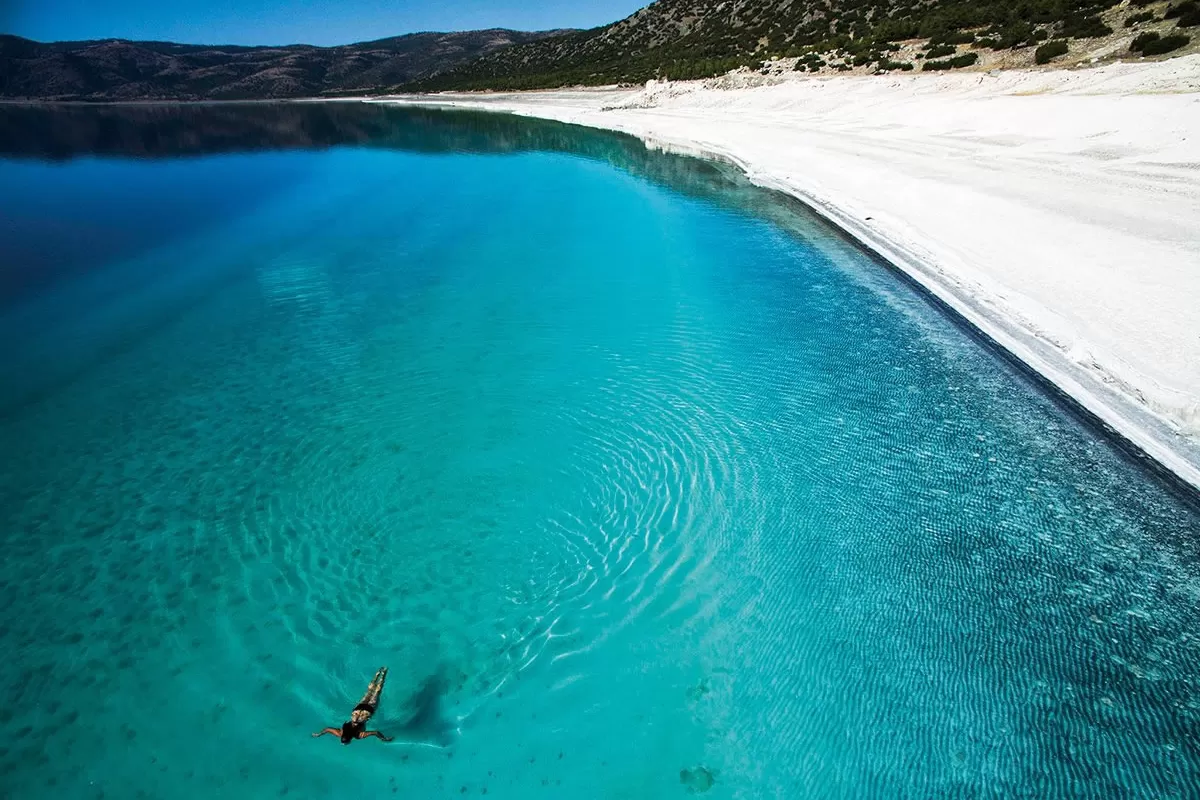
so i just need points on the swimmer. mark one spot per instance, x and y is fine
(356, 727)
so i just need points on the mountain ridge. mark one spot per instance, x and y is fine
(122, 69)
(672, 39)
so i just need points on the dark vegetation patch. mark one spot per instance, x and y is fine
(1084, 26)
(1152, 44)
(1050, 50)
(1138, 19)
(1186, 7)
(965, 60)
(953, 37)
(1187, 14)
(811, 62)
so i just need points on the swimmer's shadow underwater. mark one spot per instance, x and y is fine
(424, 725)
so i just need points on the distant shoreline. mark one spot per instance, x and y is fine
(1108, 322)
(777, 71)
(100, 103)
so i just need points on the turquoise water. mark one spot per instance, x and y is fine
(638, 480)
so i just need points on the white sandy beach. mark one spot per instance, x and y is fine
(1057, 210)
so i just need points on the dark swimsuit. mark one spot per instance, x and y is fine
(367, 707)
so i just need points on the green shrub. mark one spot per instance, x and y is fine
(965, 60)
(939, 50)
(888, 66)
(1078, 26)
(810, 60)
(1189, 19)
(1151, 44)
(1015, 34)
(1183, 8)
(988, 42)
(1165, 45)
(892, 30)
(1140, 41)
(1138, 19)
(953, 37)
(1050, 50)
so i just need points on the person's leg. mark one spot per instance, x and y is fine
(376, 687)
(371, 698)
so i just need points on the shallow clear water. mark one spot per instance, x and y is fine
(633, 475)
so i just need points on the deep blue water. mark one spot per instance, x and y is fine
(635, 476)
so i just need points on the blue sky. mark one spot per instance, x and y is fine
(290, 21)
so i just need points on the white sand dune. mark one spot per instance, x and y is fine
(1058, 211)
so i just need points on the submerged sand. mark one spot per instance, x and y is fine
(1057, 211)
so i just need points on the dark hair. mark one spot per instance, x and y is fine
(349, 731)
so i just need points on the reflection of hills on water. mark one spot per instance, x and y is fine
(173, 130)
(166, 131)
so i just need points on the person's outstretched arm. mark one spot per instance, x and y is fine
(365, 734)
(333, 731)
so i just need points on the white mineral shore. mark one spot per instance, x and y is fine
(1056, 210)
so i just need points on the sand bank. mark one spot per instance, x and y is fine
(1057, 211)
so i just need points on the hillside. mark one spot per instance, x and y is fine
(681, 39)
(676, 39)
(116, 69)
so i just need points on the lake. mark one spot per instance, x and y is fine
(642, 481)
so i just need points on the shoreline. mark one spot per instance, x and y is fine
(1134, 396)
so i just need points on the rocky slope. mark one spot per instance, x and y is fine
(682, 39)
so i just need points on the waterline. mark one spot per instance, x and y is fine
(1152, 419)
